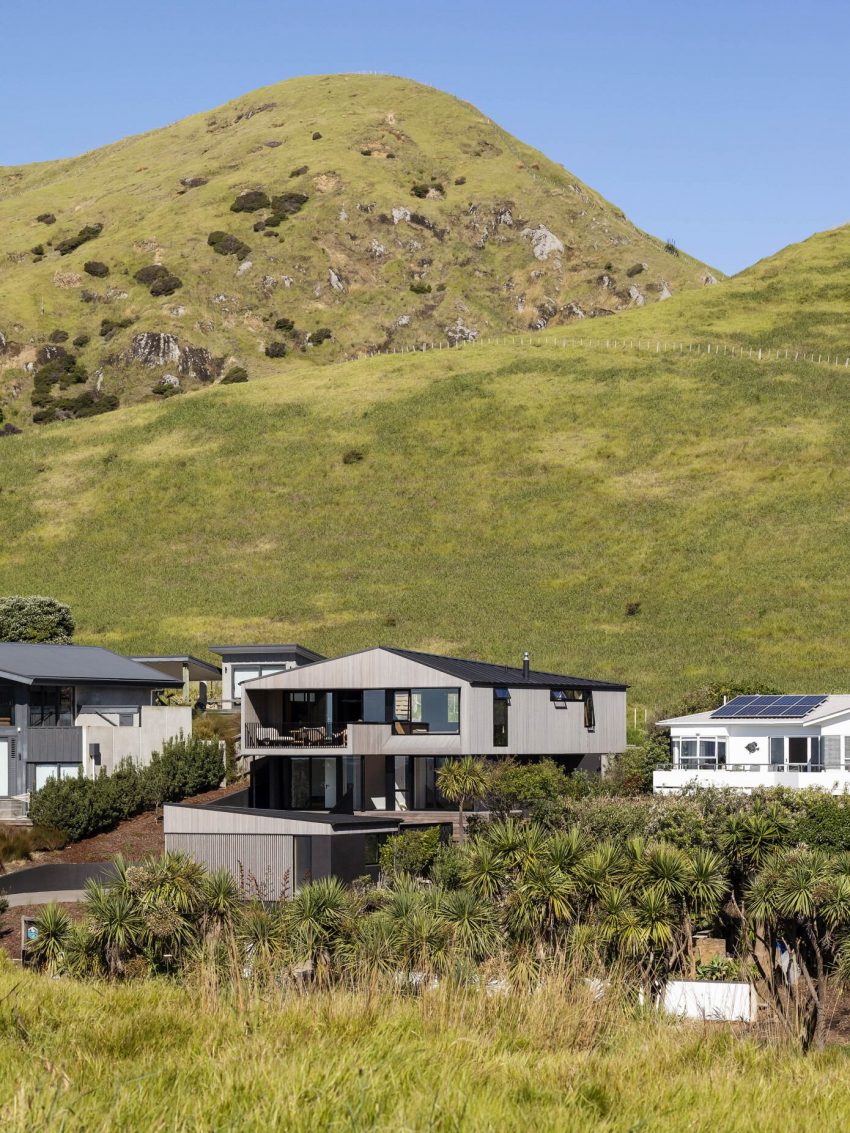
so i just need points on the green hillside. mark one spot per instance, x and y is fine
(480, 501)
(797, 300)
(379, 211)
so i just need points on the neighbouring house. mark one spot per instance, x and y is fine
(342, 743)
(240, 663)
(189, 670)
(761, 741)
(69, 707)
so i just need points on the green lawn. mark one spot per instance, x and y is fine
(154, 1057)
(507, 498)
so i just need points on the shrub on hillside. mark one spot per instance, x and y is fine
(420, 288)
(70, 243)
(250, 201)
(300, 171)
(96, 268)
(319, 336)
(150, 274)
(166, 285)
(227, 245)
(276, 350)
(46, 218)
(316, 135)
(634, 270)
(234, 375)
(82, 340)
(36, 619)
(81, 807)
(284, 324)
(422, 190)
(37, 250)
(57, 336)
(288, 204)
(108, 327)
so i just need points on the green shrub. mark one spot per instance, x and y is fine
(273, 221)
(36, 619)
(634, 270)
(70, 243)
(37, 250)
(250, 201)
(46, 218)
(421, 189)
(82, 340)
(535, 789)
(57, 336)
(276, 350)
(411, 852)
(96, 268)
(165, 389)
(420, 288)
(235, 374)
(319, 336)
(353, 456)
(300, 171)
(284, 324)
(82, 807)
(316, 135)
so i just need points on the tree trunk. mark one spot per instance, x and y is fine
(461, 833)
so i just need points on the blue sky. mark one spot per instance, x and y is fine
(723, 126)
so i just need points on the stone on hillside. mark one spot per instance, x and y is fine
(115, 293)
(192, 182)
(461, 333)
(335, 280)
(708, 280)
(606, 282)
(343, 214)
(574, 310)
(246, 265)
(170, 380)
(400, 213)
(197, 362)
(177, 312)
(152, 348)
(505, 217)
(543, 242)
(268, 284)
(9, 430)
(403, 321)
(3, 341)
(377, 249)
(637, 296)
(665, 292)
(288, 281)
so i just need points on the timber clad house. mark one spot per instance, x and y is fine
(761, 741)
(349, 748)
(241, 663)
(67, 708)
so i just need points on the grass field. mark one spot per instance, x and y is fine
(505, 499)
(156, 1057)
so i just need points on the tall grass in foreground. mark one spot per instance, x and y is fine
(148, 1055)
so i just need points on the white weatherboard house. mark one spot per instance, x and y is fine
(761, 741)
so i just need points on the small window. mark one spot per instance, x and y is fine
(589, 714)
(777, 752)
(721, 753)
(126, 719)
(847, 753)
(372, 848)
(501, 704)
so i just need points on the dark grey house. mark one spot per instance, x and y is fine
(69, 707)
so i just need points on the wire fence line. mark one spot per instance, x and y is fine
(643, 345)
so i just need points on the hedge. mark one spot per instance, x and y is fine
(82, 807)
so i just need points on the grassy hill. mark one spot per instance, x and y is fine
(478, 501)
(384, 212)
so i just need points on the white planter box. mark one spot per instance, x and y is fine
(715, 1002)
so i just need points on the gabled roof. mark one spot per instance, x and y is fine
(24, 663)
(483, 673)
(173, 663)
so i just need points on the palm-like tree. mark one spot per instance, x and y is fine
(47, 950)
(115, 923)
(317, 918)
(462, 781)
(472, 923)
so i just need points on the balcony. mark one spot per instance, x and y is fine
(749, 777)
(297, 737)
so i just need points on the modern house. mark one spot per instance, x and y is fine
(67, 707)
(344, 752)
(761, 741)
(187, 669)
(242, 663)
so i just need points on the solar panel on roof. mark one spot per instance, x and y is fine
(754, 707)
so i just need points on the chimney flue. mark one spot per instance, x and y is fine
(525, 665)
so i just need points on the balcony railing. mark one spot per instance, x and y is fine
(700, 763)
(296, 737)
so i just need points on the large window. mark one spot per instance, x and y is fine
(45, 771)
(241, 673)
(501, 705)
(699, 754)
(7, 705)
(439, 708)
(51, 707)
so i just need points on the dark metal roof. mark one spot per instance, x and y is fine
(173, 663)
(319, 817)
(262, 650)
(483, 673)
(76, 664)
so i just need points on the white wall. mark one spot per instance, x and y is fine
(672, 782)
(157, 724)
